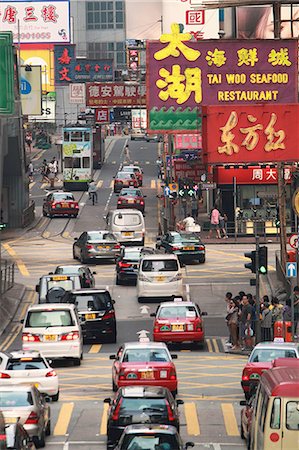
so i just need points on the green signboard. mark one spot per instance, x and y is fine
(6, 73)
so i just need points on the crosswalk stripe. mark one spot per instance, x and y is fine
(153, 184)
(193, 428)
(229, 418)
(32, 184)
(215, 345)
(95, 348)
(63, 420)
(100, 184)
(103, 427)
(44, 185)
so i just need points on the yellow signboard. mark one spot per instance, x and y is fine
(43, 57)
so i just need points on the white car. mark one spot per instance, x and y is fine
(54, 330)
(159, 276)
(30, 366)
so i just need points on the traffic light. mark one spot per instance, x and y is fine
(133, 59)
(263, 259)
(251, 266)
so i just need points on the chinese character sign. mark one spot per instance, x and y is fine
(184, 75)
(115, 94)
(102, 115)
(39, 21)
(251, 175)
(249, 134)
(69, 69)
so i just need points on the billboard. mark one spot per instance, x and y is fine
(48, 110)
(183, 75)
(40, 55)
(115, 94)
(139, 118)
(31, 90)
(38, 21)
(250, 133)
(69, 69)
(77, 93)
(251, 175)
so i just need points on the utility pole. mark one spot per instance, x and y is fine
(257, 294)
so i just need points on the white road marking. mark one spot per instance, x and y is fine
(188, 292)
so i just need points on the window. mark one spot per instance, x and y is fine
(14, 399)
(86, 162)
(26, 364)
(72, 163)
(86, 136)
(263, 415)
(66, 136)
(127, 219)
(76, 136)
(103, 15)
(292, 422)
(149, 265)
(275, 414)
(107, 50)
(92, 302)
(54, 318)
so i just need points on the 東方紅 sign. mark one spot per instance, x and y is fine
(250, 133)
(182, 76)
(115, 94)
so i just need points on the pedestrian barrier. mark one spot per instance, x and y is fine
(28, 214)
(7, 277)
(283, 331)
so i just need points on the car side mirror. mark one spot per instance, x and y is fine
(243, 403)
(144, 196)
(179, 402)
(152, 314)
(51, 273)
(112, 356)
(94, 273)
(116, 195)
(47, 398)
(107, 400)
(49, 361)
(37, 288)
(189, 444)
(174, 356)
(204, 313)
(75, 239)
(113, 302)
(22, 321)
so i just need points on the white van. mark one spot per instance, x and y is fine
(159, 276)
(54, 330)
(127, 225)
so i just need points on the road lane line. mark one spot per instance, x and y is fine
(188, 292)
(42, 223)
(22, 268)
(44, 185)
(95, 348)
(3, 344)
(32, 184)
(153, 184)
(209, 345)
(111, 184)
(63, 420)
(103, 427)
(193, 428)
(229, 418)
(100, 184)
(13, 337)
(215, 345)
(9, 250)
(65, 234)
(46, 234)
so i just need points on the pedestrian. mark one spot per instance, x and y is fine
(55, 166)
(232, 321)
(44, 172)
(159, 163)
(30, 172)
(127, 156)
(276, 309)
(287, 311)
(222, 225)
(227, 299)
(252, 302)
(194, 207)
(92, 192)
(266, 322)
(189, 223)
(296, 309)
(184, 206)
(28, 140)
(214, 223)
(245, 321)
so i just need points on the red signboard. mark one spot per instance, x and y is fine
(115, 94)
(187, 141)
(102, 115)
(183, 170)
(195, 17)
(250, 134)
(250, 175)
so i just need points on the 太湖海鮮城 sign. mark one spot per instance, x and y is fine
(183, 75)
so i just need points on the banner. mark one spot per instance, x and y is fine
(251, 175)
(183, 75)
(38, 22)
(40, 55)
(31, 90)
(115, 94)
(48, 110)
(250, 133)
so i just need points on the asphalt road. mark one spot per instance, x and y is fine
(209, 380)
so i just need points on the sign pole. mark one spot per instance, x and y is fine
(282, 213)
(257, 294)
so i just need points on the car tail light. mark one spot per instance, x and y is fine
(199, 326)
(201, 247)
(156, 329)
(4, 375)
(172, 375)
(55, 205)
(72, 205)
(72, 336)
(116, 246)
(119, 202)
(175, 248)
(115, 414)
(76, 206)
(123, 264)
(141, 202)
(32, 419)
(88, 246)
(52, 373)
(2, 438)
(177, 277)
(245, 375)
(169, 412)
(109, 315)
(28, 337)
(121, 376)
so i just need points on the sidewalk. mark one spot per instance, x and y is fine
(9, 304)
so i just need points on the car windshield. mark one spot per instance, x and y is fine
(100, 236)
(146, 355)
(92, 302)
(141, 404)
(12, 399)
(132, 255)
(178, 312)
(26, 364)
(124, 175)
(268, 355)
(68, 270)
(130, 192)
(49, 318)
(67, 285)
(63, 196)
(152, 441)
(151, 265)
(127, 219)
(185, 237)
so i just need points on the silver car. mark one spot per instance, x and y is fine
(30, 406)
(93, 245)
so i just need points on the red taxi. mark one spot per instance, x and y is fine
(60, 203)
(261, 359)
(125, 179)
(179, 321)
(131, 198)
(144, 363)
(134, 169)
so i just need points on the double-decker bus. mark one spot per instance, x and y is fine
(77, 157)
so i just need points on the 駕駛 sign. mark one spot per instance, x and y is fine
(115, 94)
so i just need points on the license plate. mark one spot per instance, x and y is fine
(148, 375)
(160, 278)
(64, 205)
(50, 337)
(188, 248)
(104, 247)
(177, 327)
(128, 233)
(130, 200)
(90, 316)
(9, 420)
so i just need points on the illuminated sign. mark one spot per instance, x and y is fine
(115, 94)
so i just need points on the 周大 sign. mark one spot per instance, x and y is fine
(36, 21)
(184, 75)
(250, 133)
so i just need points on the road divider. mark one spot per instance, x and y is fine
(103, 427)
(193, 428)
(96, 348)
(230, 421)
(64, 419)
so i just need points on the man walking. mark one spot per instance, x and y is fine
(245, 319)
(92, 192)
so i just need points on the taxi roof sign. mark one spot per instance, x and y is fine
(60, 277)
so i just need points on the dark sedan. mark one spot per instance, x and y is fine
(127, 264)
(187, 246)
(131, 198)
(95, 245)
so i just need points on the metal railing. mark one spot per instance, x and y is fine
(28, 214)
(7, 277)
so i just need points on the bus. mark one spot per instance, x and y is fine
(77, 157)
(275, 419)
